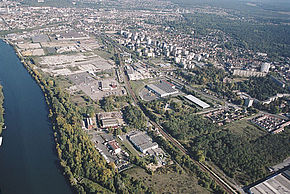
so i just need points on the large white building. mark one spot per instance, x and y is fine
(197, 101)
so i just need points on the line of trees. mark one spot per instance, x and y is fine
(85, 168)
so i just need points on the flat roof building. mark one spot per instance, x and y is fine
(197, 101)
(143, 142)
(276, 184)
(162, 88)
(110, 122)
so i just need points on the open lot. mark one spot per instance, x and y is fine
(246, 129)
(170, 182)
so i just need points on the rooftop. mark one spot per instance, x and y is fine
(197, 101)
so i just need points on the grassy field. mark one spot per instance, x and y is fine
(137, 86)
(170, 182)
(246, 129)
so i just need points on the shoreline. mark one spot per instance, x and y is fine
(31, 73)
(2, 110)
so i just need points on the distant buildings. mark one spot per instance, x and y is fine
(110, 119)
(137, 72)
(89, 123)
(197, 101)
(110, 122)
(114, 146)
(270, 123)
(248, 73)
(162, 88)
(278, 82)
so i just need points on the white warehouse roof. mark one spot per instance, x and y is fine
(197, 101)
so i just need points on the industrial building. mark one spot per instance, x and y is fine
(197, 101)
(279, 183)
(109, 122)
(142, 142)
(162, 88)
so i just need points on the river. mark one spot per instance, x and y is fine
(28, 162)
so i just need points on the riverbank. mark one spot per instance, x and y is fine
(83, 166)
(1, 110)
(70, 144)
(25, 167)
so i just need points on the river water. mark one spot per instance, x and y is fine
(28, 163)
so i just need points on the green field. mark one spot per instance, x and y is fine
(170, 182)
(245, 129)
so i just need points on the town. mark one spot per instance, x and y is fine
(152, 89)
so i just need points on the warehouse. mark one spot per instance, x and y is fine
(275, 184)
(142, 141)
(197, 101)
(162, 88)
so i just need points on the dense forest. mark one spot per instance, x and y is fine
(84, 167)
(134, 117)
(239, 157)
(1, 110)
(261, 87)
(212, 78)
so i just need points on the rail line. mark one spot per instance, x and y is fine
(167, 136)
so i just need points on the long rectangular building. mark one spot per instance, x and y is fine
(197, 101)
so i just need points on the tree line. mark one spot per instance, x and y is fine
(85, 168)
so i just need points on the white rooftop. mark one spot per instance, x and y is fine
(197, 101)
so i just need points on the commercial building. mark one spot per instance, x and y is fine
(142, 142)
(197, 101)
(247, 73)
(162, 88)
(279, 183)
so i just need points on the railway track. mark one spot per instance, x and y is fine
(172, 140)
